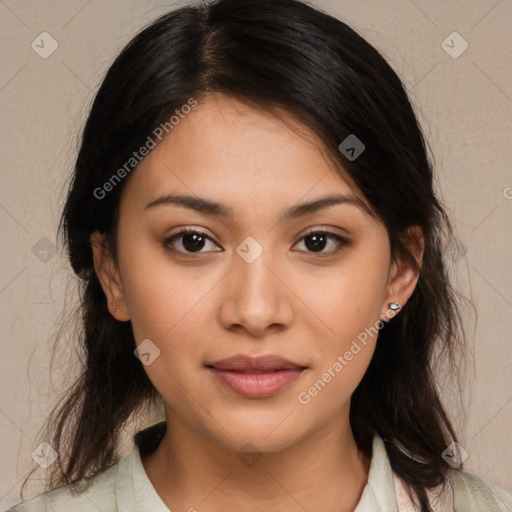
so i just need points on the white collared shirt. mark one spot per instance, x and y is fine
(125, 487)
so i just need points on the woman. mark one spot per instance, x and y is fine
(253, 219)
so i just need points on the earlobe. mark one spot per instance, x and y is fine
(108, 275)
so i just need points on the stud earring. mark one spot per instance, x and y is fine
(392, 306)
(116, 310)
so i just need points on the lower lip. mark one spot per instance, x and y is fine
(257, 385)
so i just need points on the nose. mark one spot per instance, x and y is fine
(257, 299)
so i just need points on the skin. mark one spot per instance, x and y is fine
(202, 307)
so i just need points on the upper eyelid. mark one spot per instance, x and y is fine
(326, 230)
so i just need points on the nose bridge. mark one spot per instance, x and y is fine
(258, 297)
(254, 279)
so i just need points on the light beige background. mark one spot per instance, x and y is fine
(465, 107)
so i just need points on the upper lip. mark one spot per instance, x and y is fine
(242, 362)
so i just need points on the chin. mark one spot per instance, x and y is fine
(268, 432)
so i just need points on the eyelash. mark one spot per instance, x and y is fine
(342, 241)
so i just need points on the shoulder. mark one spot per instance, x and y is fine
(98, 493)
(122, 486)
(474, 493)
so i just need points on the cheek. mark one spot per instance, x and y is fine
(169, 309)
(329, 390)
(348, 299)
(161, 296)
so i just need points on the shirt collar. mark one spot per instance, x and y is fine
(379, 492)
(134, 490)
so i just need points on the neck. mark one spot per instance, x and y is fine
(324, 471)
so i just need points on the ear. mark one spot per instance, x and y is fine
(109, 277)
(404, 275)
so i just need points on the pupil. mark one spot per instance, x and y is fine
(196, 242)
(318, 241)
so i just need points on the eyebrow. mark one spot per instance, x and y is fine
(209, 207)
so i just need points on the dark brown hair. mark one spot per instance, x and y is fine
(277, 54)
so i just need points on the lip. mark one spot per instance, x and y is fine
(255, 377)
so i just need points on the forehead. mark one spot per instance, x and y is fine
(226, 148)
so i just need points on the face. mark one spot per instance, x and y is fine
(255, 275)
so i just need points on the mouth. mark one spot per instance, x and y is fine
(255, 377)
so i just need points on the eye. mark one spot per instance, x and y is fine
(189, 241)
(318, 239)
